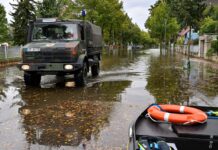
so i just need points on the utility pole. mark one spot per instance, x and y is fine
(189, 47)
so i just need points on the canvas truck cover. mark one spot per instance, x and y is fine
(94, 38)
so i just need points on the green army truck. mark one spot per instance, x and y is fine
(61, 47)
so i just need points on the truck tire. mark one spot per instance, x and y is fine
(32, 79)
(81, 77)
(95, 70)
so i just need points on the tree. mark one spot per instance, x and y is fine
(3, 25)
(211, 11)
(210, 23)
(146, 39)
(188, 12)
(209, 26)
(69, 10)
(24, 12)
(160, 24)
(50, 8)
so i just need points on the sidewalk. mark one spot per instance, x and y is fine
(9, 62)
(196, 53)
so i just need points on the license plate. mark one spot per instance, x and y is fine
(33, 50)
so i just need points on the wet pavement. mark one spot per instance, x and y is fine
(60, 116)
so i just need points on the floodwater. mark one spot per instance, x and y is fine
(59, 116)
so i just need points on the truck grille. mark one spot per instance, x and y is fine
(48, 56)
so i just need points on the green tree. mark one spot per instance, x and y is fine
(211, 11)
(146, 39)
(62, 9)
(49, 8)
(210, 23)
(160, 24)
(209, 26)
(188, 12)
(69, 10)
(24, 11)
(3, 25)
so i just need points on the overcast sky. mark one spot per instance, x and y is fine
(136, 9)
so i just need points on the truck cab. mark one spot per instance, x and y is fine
(61, 47)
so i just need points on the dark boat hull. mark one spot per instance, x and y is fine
(195, 137)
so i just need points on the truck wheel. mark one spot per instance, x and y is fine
(95, 70)
(32, 79)
(81, 77)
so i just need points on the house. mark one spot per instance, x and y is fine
(183, 39)
(205, 44)
(185, 34)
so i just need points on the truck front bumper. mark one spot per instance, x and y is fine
(50, 68)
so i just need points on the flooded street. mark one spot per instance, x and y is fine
(60, 116)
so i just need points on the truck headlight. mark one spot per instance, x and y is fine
(25, 67)
(68, 67)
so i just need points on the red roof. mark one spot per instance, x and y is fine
(184, 31)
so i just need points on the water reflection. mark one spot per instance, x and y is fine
(101, 91)
(114, 59)
(64, 116)
(208, 84)
(66, 123)
(170, 82)
(166, 80)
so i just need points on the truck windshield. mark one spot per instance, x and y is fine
(55, 32)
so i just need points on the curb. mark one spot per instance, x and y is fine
(9, 62)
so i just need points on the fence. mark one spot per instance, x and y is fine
(194, 49)
(10, 52)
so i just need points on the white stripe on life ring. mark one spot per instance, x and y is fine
(182, 109)
(166, 117)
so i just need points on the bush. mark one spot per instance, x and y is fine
(210, 52)
(214, 48)
(180, 40)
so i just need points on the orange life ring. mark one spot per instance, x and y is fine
(177, 114)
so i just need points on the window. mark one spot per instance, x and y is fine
(55, 32)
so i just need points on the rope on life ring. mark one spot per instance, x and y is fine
(176, 114)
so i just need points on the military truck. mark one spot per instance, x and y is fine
(61, 47)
